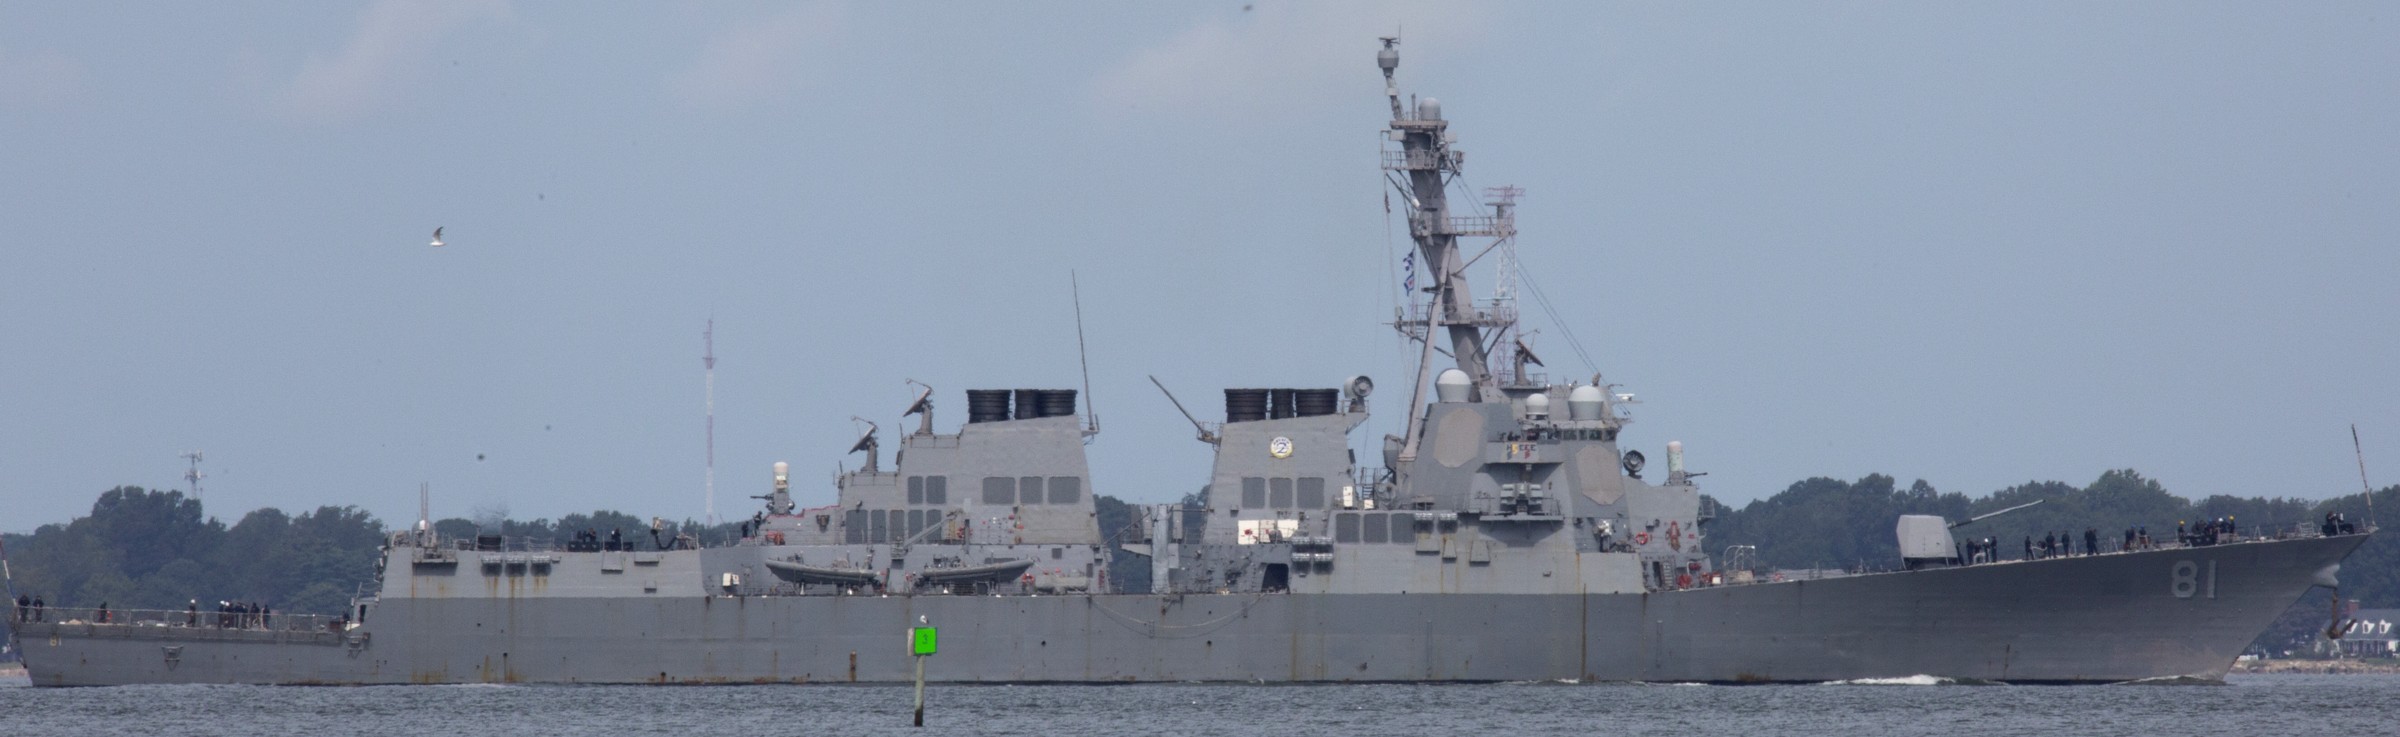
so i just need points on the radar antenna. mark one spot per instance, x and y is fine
(1389, 59)
(866, 442)
(922, 406)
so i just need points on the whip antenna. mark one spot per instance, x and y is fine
(1089, 408)
(1205, 436)
(2362, 475)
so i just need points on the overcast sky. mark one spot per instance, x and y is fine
(1974, 243)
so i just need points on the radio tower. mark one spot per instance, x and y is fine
(708, 360)
(194, 475)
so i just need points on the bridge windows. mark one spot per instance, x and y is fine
(1066, 490)
(929, 490)
(1283, 493)
(1029, 490)
(1374, 527)
(999, 491)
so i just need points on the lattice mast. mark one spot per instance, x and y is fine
(1425, 164)
(1511, 338)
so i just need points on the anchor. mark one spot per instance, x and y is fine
(2336, 628)
(2336, 625)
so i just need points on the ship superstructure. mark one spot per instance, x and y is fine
(1003, 506)
(1502, 483)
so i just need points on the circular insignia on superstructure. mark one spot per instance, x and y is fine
(1280, 447)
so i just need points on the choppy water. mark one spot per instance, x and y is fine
(2249, 704)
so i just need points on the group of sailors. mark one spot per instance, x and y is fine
(2137, 537)
(34, 609)
(2062, 544)
(1984, 550)
(2337, 523)
(232, 615)
(29, 609)
(588, 541)
(2209, 532)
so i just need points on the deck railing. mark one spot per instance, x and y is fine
(181, 619)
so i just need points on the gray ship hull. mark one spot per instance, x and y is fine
(2169, 613)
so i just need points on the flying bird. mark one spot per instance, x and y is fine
(437, 237)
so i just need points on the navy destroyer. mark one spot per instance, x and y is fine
(1508, 534)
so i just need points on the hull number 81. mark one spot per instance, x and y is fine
(2188, 578)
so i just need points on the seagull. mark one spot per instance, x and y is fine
(437, 237)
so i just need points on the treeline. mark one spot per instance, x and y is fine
(144, 549)
(1828, 523)
(603, 523)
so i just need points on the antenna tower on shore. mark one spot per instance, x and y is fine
(708, 360)
(194, 475)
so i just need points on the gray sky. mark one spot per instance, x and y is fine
(1978, 244)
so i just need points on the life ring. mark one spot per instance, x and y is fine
(1683, 581)
(1641, 538)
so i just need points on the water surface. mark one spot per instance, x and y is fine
(2267, 704)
